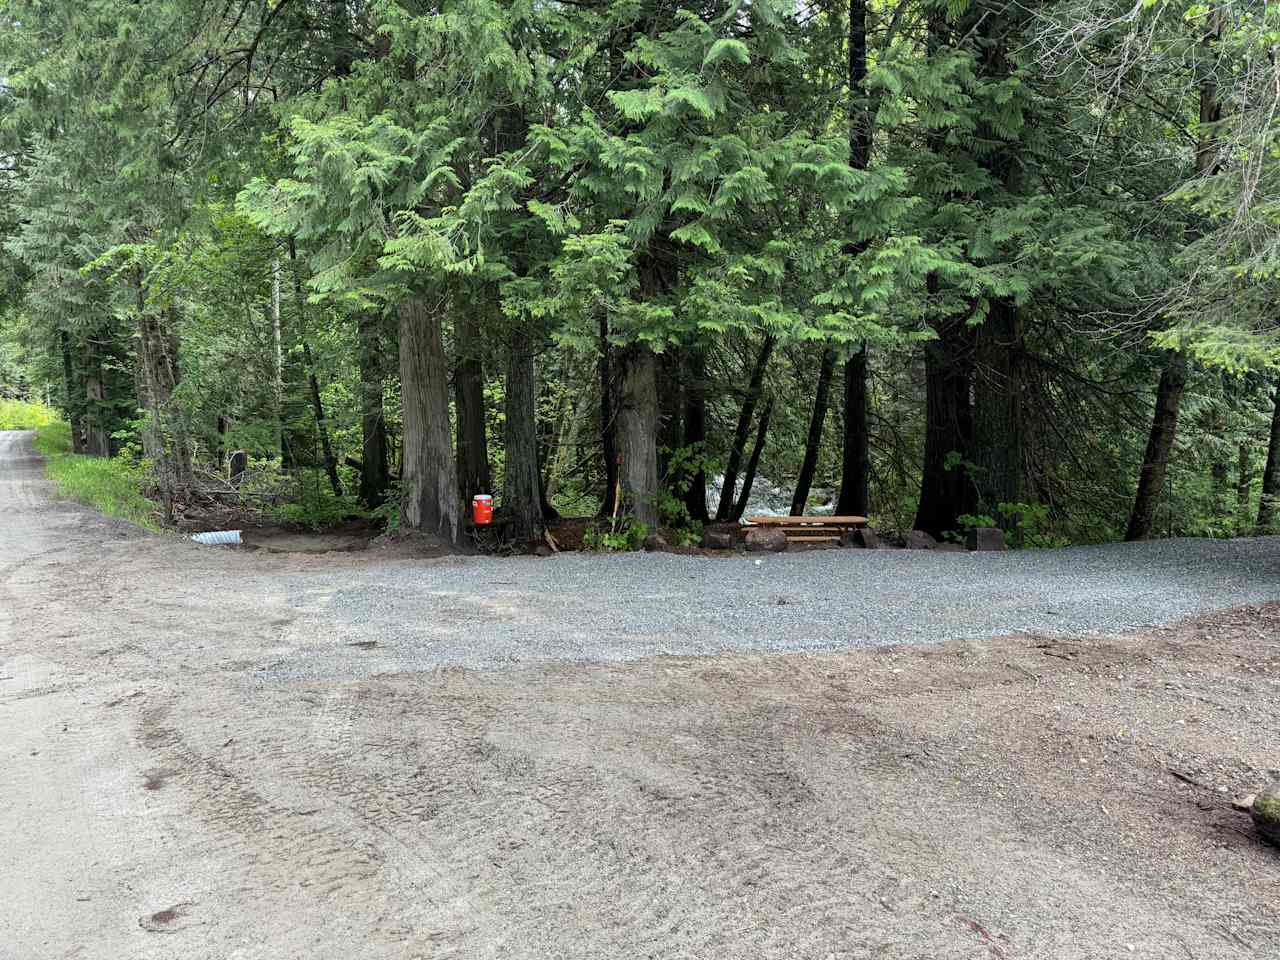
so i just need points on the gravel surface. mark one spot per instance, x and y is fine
(222, 754)
(485, 612)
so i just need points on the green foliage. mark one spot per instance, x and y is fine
(619, 535)
(1026, 526)
(315, 506)
(21, 415)
(237, 207)
(111, 485)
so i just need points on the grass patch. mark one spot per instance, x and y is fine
(20, 415)
(111, 486)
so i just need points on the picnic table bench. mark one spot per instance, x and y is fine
(811, 529)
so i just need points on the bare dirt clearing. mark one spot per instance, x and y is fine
(181, 784)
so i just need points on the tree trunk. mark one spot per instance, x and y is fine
(322, 426)
(1155, 463)
(374, 477)
(813, 444)
(97, 443)
(638, 432)
(429, 481)
(286, 452)
(855, 473)
(608, 426)
(1271, 474)
(544, 432)
(317, 406)
(695, 433)
(946, 488)
(164, 437)
(998, 439)
(468, 391)
(671, 401)
(522, 482)
(1244, 482)
(743, 430)
(749, 478)
(74, 407)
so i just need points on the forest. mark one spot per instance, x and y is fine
(942, 263)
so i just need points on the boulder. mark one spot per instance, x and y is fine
(863, 537)
(720, 536)
(766, 540)
(918, 540)
(655, 541)
(1266, 812)
(985, 538)
(950, 548)
(717, 540)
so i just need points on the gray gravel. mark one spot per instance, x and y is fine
(483, 612)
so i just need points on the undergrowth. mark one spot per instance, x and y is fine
(20, 415)
(109, 485)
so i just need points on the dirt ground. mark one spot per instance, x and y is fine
(1026, 797)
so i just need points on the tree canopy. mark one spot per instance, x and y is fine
(943, 263)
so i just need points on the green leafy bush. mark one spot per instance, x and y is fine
(20, 415)
(1025, 524)
(623, 534)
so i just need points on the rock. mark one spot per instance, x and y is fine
(654, 541)
(542, 550)
(918, 540)
(1266, 812)
(766, 540)
(985, 538)
(863, 537)
(720, 536)
(950, 548)
(1244, 804)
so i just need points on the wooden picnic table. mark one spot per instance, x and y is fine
(811, 529)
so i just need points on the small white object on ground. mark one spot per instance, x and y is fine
(217, 537)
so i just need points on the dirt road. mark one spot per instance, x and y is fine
(178, 786)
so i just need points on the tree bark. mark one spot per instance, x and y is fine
(322, 426)
(637, 432)
(1271, 474)
(1244, 481)
(429, 481)
(317, 406)
(608, 426)
(855, 473)
(1155, 463)
(749, 478)
(998, 436)
(743, 430)
(1173, 378)
(946, 488)
(74, 407)
(287, 459)
(468, 390)
(695, 432)
(374, 476)
(164, 437)
(97, 443)
(813, 444)
(671, 400)
(522, 481)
